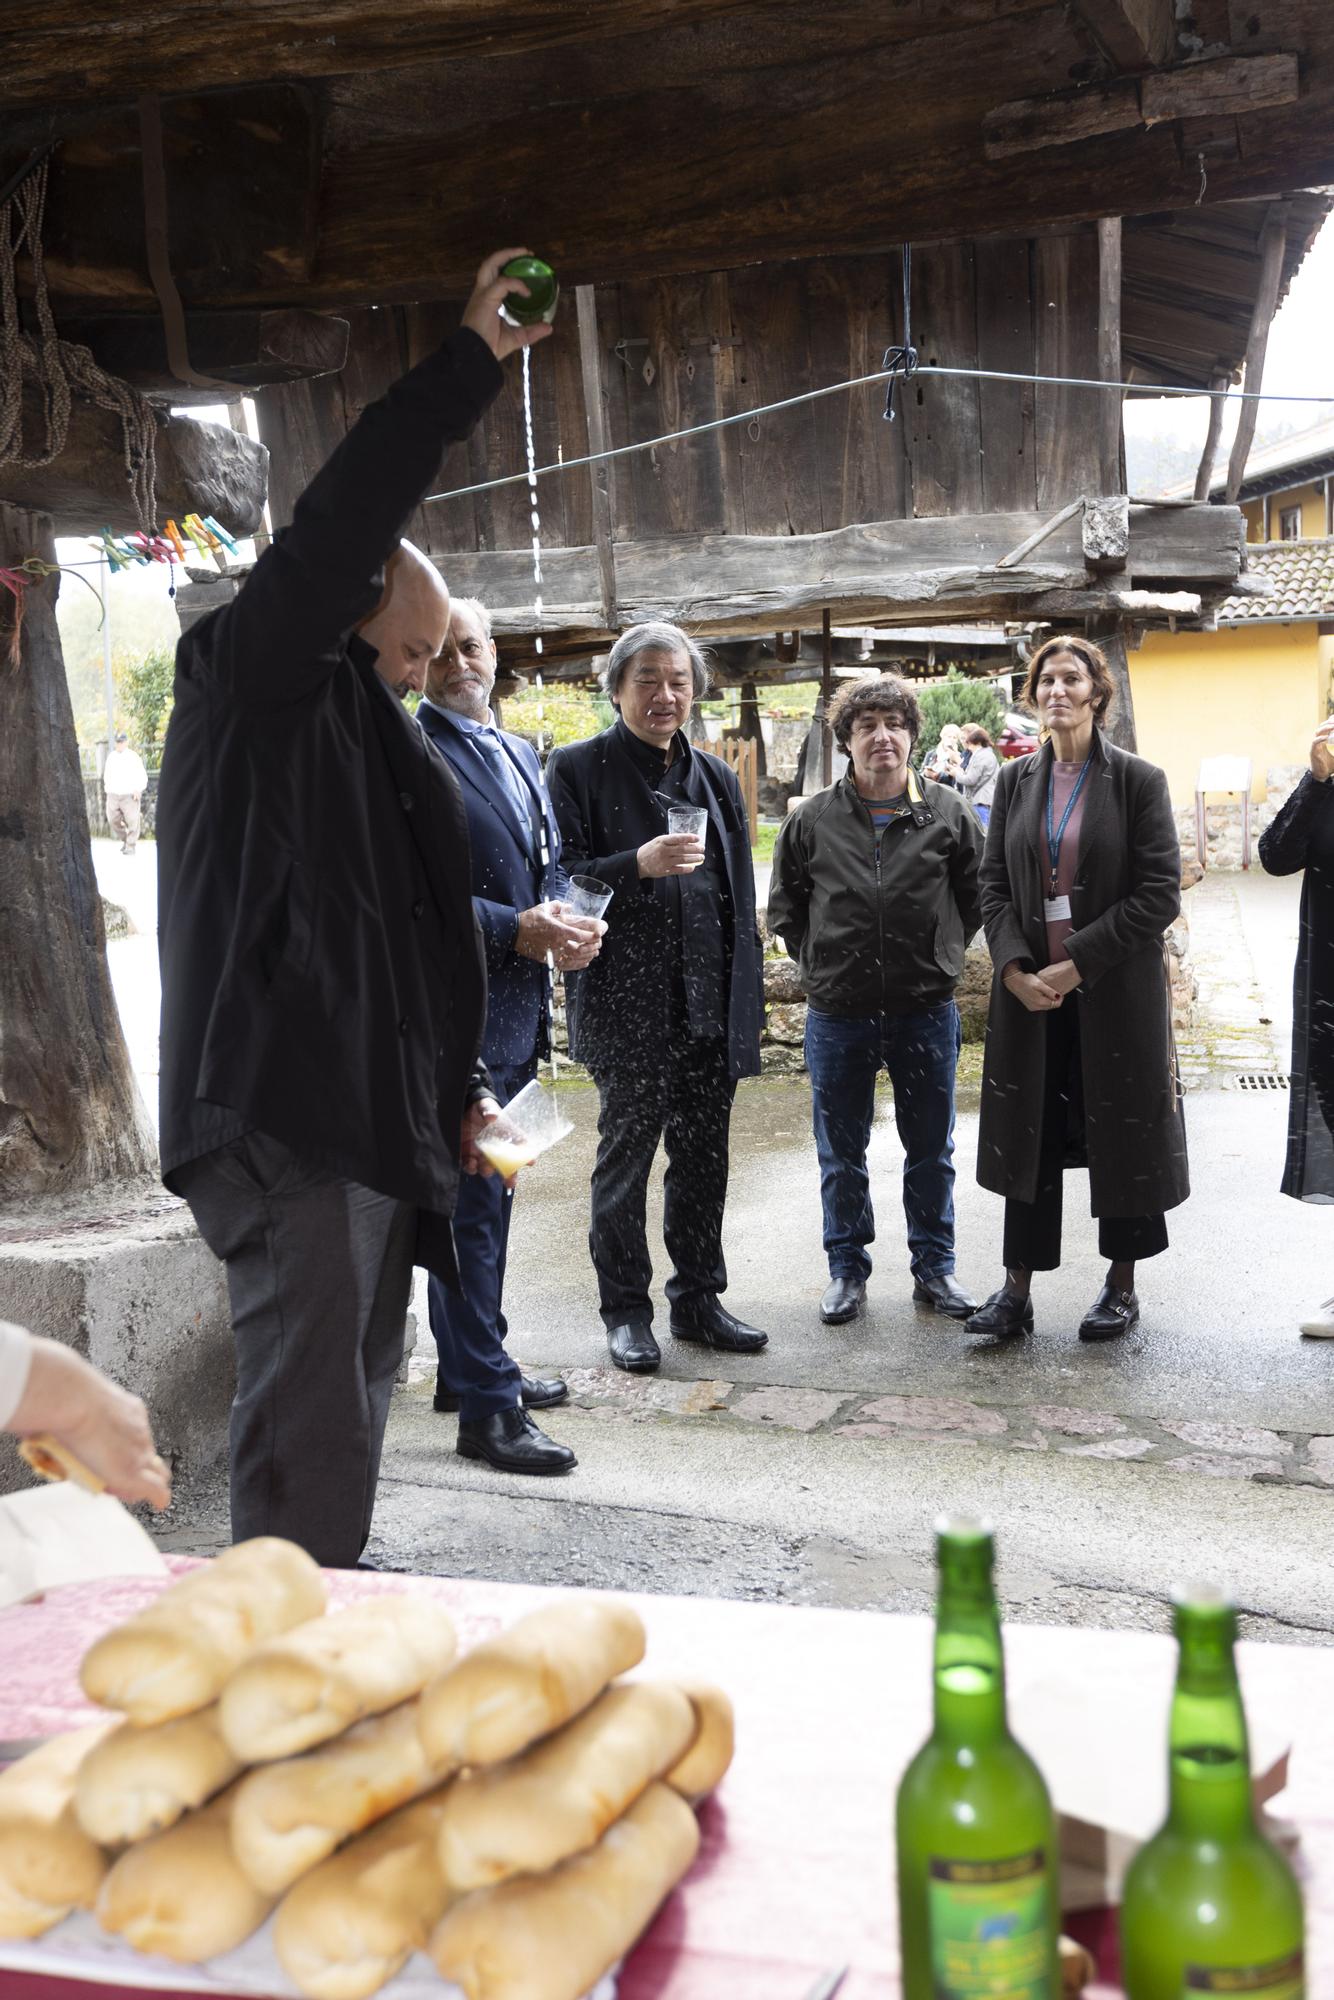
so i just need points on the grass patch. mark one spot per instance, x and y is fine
(762, 851)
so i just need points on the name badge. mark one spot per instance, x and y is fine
(1056, 909)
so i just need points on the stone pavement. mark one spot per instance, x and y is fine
(1204, 1444)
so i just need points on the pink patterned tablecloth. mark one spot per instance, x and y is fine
(795, 1873)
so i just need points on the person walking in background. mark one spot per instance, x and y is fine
(1080, 880)
(944, 763)
(1302, 836)
(124, 782)
(516, 873)
(668, 1016)
(978, 770)
(874, 894)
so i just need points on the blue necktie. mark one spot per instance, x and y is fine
(496, 755)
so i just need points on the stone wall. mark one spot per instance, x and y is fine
(1223, 820)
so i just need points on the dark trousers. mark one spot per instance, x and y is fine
(319, 1272)
(844, 1057)
(681, 1095)
(1033, 1228)
(469, 1325)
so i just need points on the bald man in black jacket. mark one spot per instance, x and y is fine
(323, 987)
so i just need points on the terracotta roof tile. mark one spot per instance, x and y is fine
(1300, 579)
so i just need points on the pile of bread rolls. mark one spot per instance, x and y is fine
(514, 1812)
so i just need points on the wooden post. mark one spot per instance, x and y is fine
(1266, 524)
(1109, 352)
(1329, 505)
(599, 475)
(826, 696)
(1273, 240)
(751, 726)
(70, 1114)
(1120, 725)
(1204, 477)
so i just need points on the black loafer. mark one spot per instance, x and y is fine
(944, 1294)
(512, 1442)
(539, 1392)
(633, 1348)
(1111, 1314)
(843, 1300)
(712, 1325)
(1003, 1316)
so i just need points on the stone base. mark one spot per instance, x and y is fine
(127, 1282)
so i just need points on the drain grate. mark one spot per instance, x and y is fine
(1262, 1079)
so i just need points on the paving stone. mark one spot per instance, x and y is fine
(792, 1409)
(1226, 1437)
(1074, 1423)
(647, 1392)
(1119, 1447)
(1320, 1452)
(902, 1436)
(933, 1413)
(1224, 1467)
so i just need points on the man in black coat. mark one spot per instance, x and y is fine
(323, 988)
(668, 1015)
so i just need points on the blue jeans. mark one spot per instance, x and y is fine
(469, 1325)
(844, 1057)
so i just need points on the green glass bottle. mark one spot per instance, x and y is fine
(1209, 1906)
(536, 305)
(977, 1857)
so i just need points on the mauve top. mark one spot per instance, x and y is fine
(1064, 779)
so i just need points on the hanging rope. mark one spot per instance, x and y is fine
(901, 362)
(60, 368)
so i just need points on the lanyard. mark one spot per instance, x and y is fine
(1056, 834)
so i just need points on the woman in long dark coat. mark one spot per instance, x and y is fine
(1080, 879)
(1302, 836)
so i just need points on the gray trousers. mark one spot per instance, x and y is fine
(319, 1271)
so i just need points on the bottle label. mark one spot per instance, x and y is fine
(1280, 1979)
(991, 1928)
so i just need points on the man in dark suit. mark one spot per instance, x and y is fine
(668, 1017)
(323, 988)
(516, 875)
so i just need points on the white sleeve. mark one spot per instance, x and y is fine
(15, 1361)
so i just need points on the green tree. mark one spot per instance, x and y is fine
(144, 687)
(956, 699)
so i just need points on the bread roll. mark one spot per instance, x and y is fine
(354, 1921)
(174, 1656)
(137, 1782)
(504, 1695)
(701, 1769)
(308, 1686)
(551, 1937)
(561, 1796)
(48, 1865)
(181, 1893)
(290, 1815)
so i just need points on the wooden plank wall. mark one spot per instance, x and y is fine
(688, 350)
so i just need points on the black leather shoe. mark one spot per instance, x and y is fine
(843, 1300)
(1111, 1314)
(713, 1326)
(944, 1294)
(633, 1348)
(539, 1392)
(512, 1442)
(1003, 1316)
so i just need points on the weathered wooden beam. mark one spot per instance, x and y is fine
(599, 475)
(1136, 34)
(1155, 604)
(1225, 86)
(249, 349)
(1105, 532)
(1109, 358)
(1111, 635)
(201, 469)
(1273, 244)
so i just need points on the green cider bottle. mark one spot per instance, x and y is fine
(979, 1901)
(1209, 1905)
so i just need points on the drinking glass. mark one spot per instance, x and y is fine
(688, 819)
(588, 897)
(527, 1126)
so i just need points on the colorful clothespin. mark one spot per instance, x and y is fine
(215, 528)
(174, 537)
(115, 556)
(196, 534)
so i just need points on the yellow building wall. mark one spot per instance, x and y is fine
(1253, 691)
(1311, 500)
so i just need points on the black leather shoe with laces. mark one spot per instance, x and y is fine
(538, 1392)
(1111, 1314)
(1003, 1316)
(944, 1294)
(512, 1442)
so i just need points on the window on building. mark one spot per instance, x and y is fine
(1290, 524)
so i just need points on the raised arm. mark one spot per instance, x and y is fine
(579, 838)
(1154, 900)
(1284, 843)
(284, 634)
